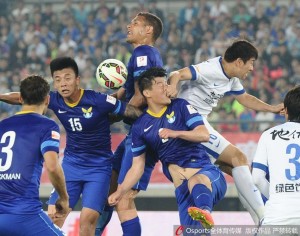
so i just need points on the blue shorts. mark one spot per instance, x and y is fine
(91, 182)
(124, 156)
(185, 199)
(28, 225)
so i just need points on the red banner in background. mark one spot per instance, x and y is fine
(247, 142)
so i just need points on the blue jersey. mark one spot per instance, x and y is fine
(24, 138)
(143, 58)
(87, 126)
(179, 115)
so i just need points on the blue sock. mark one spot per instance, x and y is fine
(202, 197)
(132, 227)
(104, 219)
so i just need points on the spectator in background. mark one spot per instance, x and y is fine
(155, 10)
(273, 9)
(187, 13)
(295, 78)
(246, 119)
(227, 123)
(171, 64)
(218, 8)
(204, 48)
(122, 53)
(118, 9)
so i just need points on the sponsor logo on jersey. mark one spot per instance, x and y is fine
(191, 109)
(171, 117)
(111, 99)
(145, 130)
(55, 135)
(87, 113)
(60, 111)
(141, 61)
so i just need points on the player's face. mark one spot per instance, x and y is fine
(66, 82)
(159, 92)
(245, 68)
(136, 30)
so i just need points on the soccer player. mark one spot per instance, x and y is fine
(175, 130)
(142, 33)
(87, 161)
(277, 155)
(27, 140)
(209, 82)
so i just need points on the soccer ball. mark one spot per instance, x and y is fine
(111, 73)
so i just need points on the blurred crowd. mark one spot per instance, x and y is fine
(31, 35)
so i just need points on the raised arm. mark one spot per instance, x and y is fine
(137, 99)
(11, 98)
(131, 178)
(256, 104)
(175, 77)
(57, 178)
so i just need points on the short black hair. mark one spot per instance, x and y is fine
(61, 63)
(34, 90)
(146, 78)
(241, 48)
(153, 21)
(292, 104)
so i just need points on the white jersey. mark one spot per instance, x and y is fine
(278, 153)
(208, 85)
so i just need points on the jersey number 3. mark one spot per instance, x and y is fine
(11, 135)
(295, 150)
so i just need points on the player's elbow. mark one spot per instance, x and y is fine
(52, 169)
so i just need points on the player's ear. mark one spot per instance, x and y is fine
(239, 62)
(21, 100)
(149, 29)
(47, 100)
(146, 93)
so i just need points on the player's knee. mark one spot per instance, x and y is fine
(234, 156)
(88, 217)
(240, 158)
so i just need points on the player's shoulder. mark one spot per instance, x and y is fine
(177, 102)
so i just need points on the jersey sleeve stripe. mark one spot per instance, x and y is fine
(137, 73)
(137, 149)
(193, 71)
(236, 92)
(117, 110)
(260, 166)
(48, 144)
(193, 120)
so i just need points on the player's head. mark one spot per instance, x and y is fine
(61, 63)
(241, 54)
(242, 49)
(34, 90)
(143, 28)
(153, 86)
(292, 104)
(64, 71)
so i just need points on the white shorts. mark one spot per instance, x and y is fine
(216, 144)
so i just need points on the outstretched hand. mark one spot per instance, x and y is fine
(279, 109)
(172, 91)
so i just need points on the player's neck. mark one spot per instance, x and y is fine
(33, 108)
(74, 96)
(228, 69)
(146, 42)
(155, 108)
